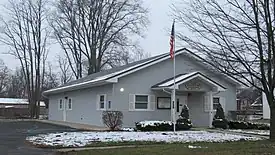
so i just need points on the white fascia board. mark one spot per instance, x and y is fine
(102, 78)
(145, 66)
(168, 83)
(71, 86)
(112, 80)
(238, 83)
(172, 87)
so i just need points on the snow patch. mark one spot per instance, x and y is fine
(257, 132)
(80, 139)
(128, 129)
(153, 123)
(195, 147)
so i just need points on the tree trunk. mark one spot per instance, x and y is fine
(38, 109)
(272, 123)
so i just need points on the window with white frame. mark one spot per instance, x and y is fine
(60, 104)
(141, 101)
(216, 102)
(102, 101)
(70, 104)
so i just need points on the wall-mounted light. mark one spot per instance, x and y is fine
(122, 89)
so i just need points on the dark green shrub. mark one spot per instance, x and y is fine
(220, 123)
(263, 127)
(154, 126)
(247, 125)
(219, 120)
(237, 125)
(184, 123)
(219, 113)
(181, 124)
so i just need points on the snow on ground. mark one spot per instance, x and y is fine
(153, 123)
(195, 147)
(128, 129)
(257, 132)
(78, 139)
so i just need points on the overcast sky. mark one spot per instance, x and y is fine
(155, 42)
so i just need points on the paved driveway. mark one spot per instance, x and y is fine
(13, 135)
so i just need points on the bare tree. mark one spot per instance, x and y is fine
(17, 84)
(238, 37)
(50, 78)
(97, 30)
(25, 32)
(4, 79)
(65, 70)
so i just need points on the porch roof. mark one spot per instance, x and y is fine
(183, 78)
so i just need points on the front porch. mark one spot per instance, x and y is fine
(194, 90)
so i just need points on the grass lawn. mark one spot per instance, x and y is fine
(230, 148)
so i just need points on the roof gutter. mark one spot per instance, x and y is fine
(73, 87)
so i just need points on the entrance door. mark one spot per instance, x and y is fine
(180, 102)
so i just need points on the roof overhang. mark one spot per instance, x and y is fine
(238, 83)
(113, 77)
(87, 84)
(183, 78)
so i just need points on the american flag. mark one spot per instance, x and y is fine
(172, 40)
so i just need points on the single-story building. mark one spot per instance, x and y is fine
(142, 91)
(18, 107)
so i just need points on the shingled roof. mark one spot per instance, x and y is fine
(103, 77)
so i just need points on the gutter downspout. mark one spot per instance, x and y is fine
(163, 89)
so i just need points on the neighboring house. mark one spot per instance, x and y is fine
(249, 99)
(249, 104)
(15, 107)
(142, 91)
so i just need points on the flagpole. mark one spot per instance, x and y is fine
(174, 89)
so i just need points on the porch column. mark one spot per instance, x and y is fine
(211, 109)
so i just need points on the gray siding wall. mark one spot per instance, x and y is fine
(84, 108)
(84, 101)
(140, 83)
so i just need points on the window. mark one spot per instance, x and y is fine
(141, 102)
(102, 101)
(70, 104)
(60, 104)
(216, 102)
(109, 104)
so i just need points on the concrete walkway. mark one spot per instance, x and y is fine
(75, 125)
(78, 126)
